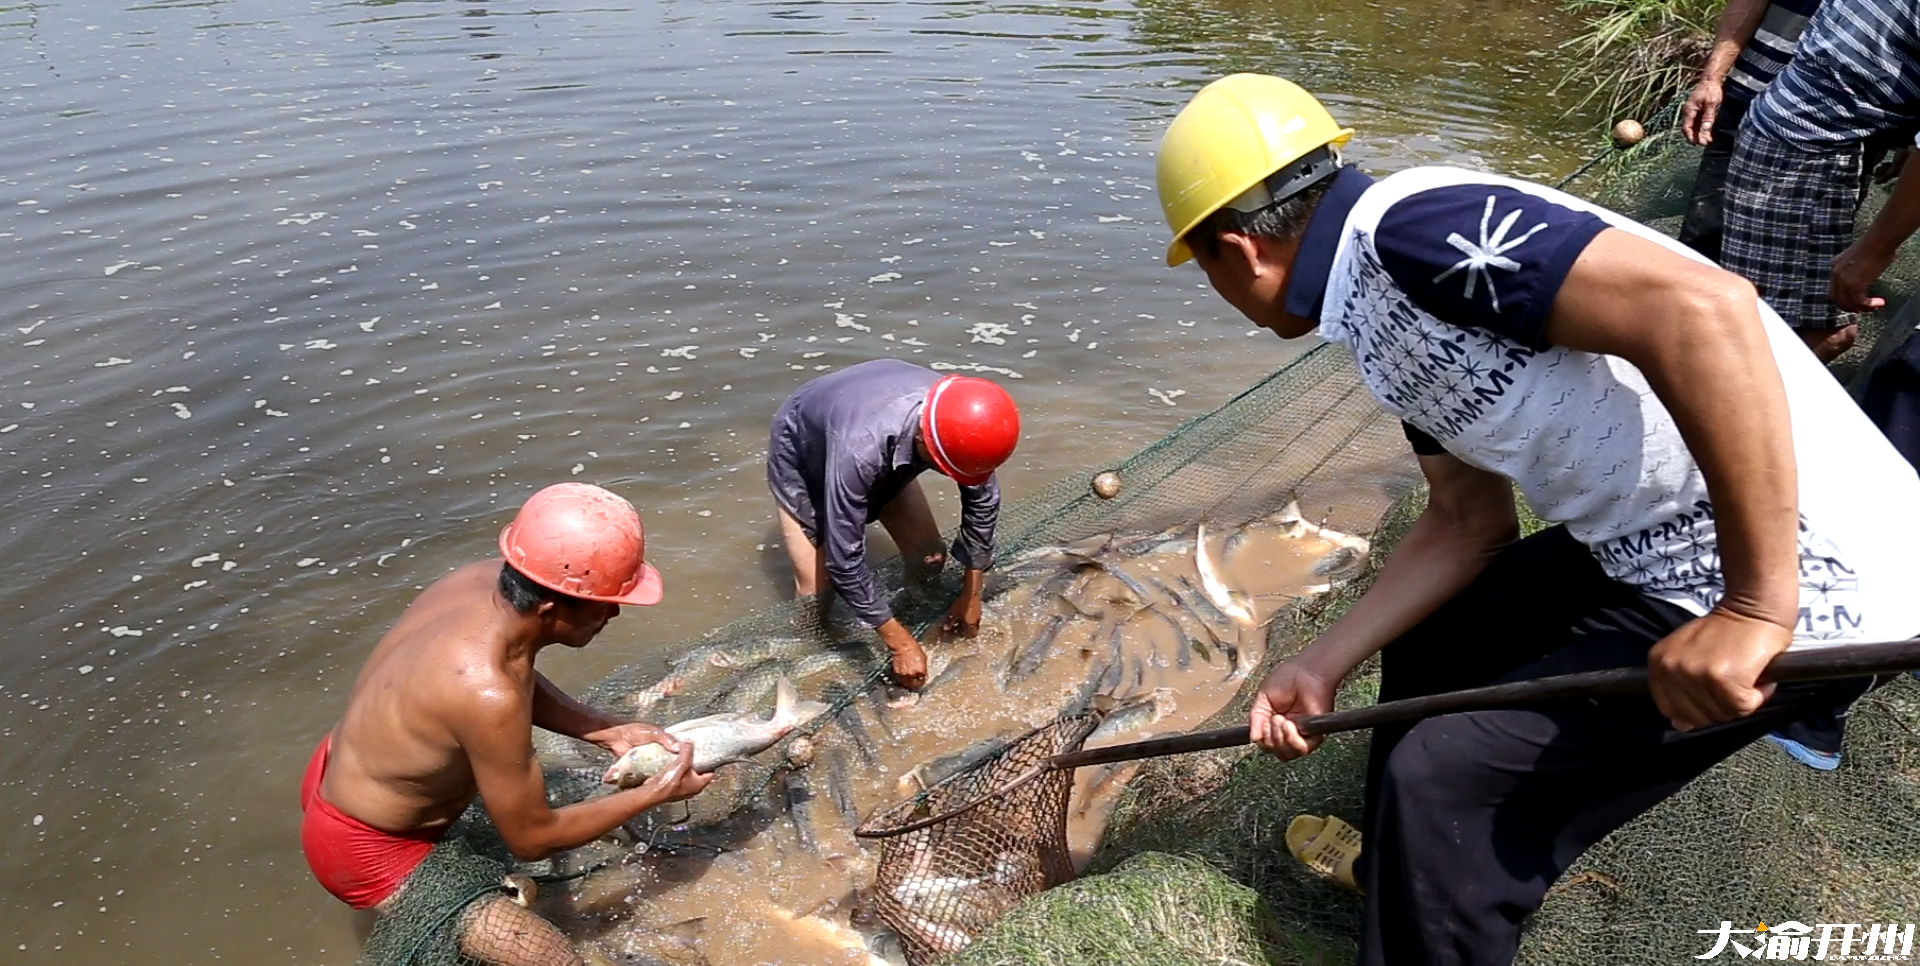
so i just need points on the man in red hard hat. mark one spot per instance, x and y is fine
(847, 449)
(444, 711)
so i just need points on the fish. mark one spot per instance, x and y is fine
(1210, 583)
(800, 810)
(926, 900)
(757, 652)
(948, 674)
(818, 930)
(930, 773)
(751, 687)
(918, 892)
(876, 699)
(1105, 671)
(840, 786)
(1183, 643)
(1026, 659)
(1134, 714)
(675, 944)
(833, 658)
(884, 945)
(1343, 562)
(1170, 540)
(719, 739)
(942, 940)
(1218, 625)
(855, 727)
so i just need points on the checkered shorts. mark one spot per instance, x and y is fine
(1789, 211)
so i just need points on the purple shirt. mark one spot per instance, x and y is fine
(841, 449)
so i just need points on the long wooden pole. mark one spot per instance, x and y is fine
(1816, 664)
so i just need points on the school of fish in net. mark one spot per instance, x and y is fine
(1153, 631)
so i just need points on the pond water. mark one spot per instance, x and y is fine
(301, 297)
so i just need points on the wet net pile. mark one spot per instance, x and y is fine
(1760, 838)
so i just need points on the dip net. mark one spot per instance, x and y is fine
(956, 857)
(1759, 838)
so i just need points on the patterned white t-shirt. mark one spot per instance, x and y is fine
(1440, 281)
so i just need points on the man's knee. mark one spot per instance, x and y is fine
(1434, 769)
(500, 932)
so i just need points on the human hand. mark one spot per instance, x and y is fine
(1698, 114)
(677, 781)
(1854, 270)
(963, 617)
(909, 661)
(1289, 689)
(1709, 670)
(620, 738)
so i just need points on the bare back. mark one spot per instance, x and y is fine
(396, 763)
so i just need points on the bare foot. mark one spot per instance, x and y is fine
(1828, 344)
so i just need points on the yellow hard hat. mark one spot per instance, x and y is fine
(1235, 132)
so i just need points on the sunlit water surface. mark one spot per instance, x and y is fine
(299, 299)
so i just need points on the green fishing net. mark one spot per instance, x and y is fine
(1759, 838)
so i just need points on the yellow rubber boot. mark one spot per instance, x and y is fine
(1328, 846)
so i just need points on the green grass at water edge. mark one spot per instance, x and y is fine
(1636, 56)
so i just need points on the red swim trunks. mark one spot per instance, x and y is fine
(361, 865)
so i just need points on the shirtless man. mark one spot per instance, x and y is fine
(444, 710)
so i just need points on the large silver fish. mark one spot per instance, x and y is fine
(719, 739)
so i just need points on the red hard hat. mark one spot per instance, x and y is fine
(583, 541)
(970, 427)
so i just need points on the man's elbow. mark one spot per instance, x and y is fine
(530, 845)
(1479, 525)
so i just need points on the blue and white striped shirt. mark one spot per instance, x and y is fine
(1771, 48)
(1855, 74)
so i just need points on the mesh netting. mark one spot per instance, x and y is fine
(463, 907)
(1760, 837)
(999, 835)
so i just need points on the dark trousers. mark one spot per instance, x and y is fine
(1700, 229)
(1471, 817)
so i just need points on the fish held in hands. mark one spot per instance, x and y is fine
(718, 739)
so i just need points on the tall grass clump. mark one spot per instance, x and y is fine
(1636, 56)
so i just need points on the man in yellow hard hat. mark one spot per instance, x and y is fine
(1715, 493)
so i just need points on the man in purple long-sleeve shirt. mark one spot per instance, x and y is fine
(847, 449)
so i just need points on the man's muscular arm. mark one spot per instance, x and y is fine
(1695, 332)
(558, 712)
(493, 732)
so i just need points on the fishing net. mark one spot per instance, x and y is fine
(957, 856)
(468, 903)
(1760, 838)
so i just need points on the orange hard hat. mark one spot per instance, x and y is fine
(970, 427)
(583, 541)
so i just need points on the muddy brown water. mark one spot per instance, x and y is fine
(299, 299)
(790, 885)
